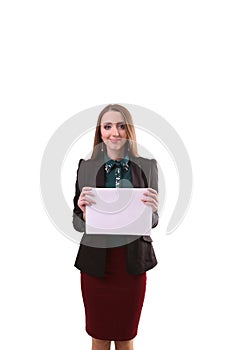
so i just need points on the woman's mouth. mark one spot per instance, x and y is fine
(115, 140)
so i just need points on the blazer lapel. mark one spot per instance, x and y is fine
(100, 176)
(137, 174)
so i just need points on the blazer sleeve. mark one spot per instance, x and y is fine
(78, 221)
(154, 185)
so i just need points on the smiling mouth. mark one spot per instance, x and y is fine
(115, 140)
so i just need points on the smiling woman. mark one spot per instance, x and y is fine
(113, 280)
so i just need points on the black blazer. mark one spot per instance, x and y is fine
(140, 253)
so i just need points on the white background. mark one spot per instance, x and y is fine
(59, 58)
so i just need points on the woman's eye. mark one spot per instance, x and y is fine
(120, 126)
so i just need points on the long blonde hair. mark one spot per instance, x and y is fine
(129, 127)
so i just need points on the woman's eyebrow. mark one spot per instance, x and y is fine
(114, 123)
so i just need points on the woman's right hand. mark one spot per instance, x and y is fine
(85, 200)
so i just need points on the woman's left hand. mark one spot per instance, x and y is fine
(152, 199)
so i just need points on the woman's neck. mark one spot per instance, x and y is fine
(115, 155)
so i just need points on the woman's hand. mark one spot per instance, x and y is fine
(152, 199)
(84, 200)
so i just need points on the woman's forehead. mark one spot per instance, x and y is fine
(112, 117)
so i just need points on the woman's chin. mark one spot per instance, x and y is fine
(115, 147)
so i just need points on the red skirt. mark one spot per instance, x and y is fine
(114, 302)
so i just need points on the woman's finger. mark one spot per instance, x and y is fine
(150, 200)
(151, 196)
(152, 190)
(86, 202)
(87, 191)
(153, 205)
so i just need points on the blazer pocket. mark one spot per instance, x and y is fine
(147, 238)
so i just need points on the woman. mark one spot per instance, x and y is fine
(113, 280)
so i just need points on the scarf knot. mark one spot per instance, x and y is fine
(123, 164)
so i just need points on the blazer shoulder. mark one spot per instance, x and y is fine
(88, 166)
(85, 162)
(147, 161)
(88, 161)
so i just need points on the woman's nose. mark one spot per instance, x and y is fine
(115, 130)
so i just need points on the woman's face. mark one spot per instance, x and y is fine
(113, 132)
